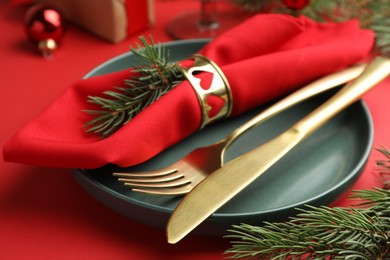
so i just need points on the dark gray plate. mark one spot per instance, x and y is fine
(316, 172)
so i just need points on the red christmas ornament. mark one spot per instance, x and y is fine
(296, 4)
(45, 26)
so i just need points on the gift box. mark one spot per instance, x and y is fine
(112, 20)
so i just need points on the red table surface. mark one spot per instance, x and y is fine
(44, 213)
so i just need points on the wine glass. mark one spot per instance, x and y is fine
(213, 18)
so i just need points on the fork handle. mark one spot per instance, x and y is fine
(314, 88)
(375, 72)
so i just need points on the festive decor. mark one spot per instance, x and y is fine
(157, 76)
(118, 107)
(218, 92)
(45, 26)
(373, 14)
(384, 166)
(359, 232)
(321, 233)
(321, 49)
(112, 20)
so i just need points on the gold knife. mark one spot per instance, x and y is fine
(223, 184)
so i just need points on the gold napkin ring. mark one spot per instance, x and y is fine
(218, 88)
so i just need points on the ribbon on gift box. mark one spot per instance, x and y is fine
(264, 58)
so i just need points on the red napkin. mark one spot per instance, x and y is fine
(266, 57)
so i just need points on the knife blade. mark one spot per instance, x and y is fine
(226, 182)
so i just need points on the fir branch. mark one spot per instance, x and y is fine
(321, 233)
(359, 232)
(155, 76)
(384, 166)
(372, 14)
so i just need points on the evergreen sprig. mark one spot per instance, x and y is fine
(361, 231)
(384, 166)
(153, 76)
(321, 233)
(372, 14)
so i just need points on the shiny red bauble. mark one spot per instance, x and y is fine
(296, 4)
(45, 26)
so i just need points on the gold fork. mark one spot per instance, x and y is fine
(180, 177)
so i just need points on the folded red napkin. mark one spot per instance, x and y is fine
(266, 57)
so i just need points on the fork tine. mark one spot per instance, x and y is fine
(164, 184)
(151, 179)
(155, 173)
(174, 192)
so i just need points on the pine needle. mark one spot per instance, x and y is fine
(372, 14)
(361, 231)
(156, 75)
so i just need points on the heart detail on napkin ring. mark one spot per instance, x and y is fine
(216, 99)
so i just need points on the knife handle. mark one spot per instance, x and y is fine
(321, 85)
(375, 72)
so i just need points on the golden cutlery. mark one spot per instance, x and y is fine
(223, 184)
(180, 177)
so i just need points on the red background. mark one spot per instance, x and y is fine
(44, 214)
